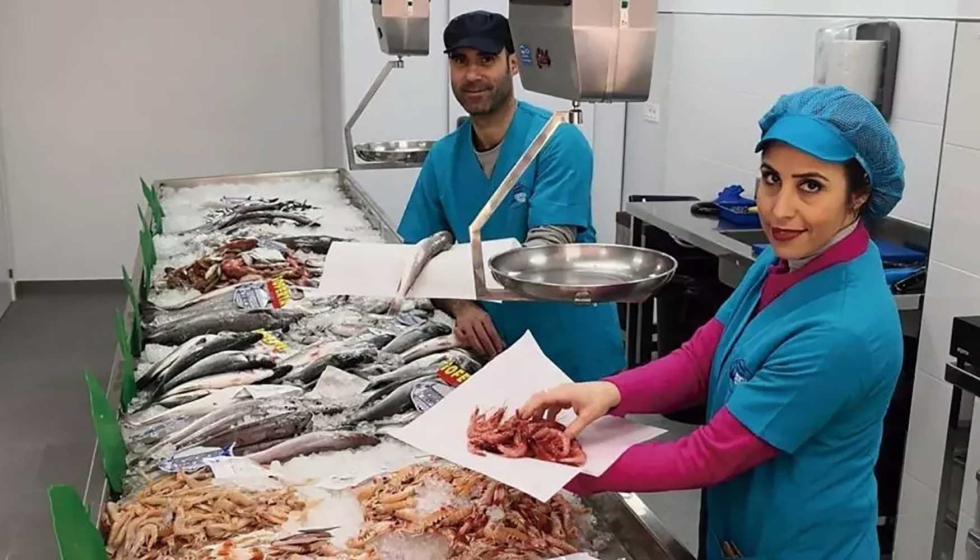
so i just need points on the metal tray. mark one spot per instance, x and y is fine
(583, 272)
(345, 182)
(397, 151)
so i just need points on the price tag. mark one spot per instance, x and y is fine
(271, 341)
(427, 394)
(279, 292)
(452, 374)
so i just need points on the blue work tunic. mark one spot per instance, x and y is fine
(452, 188)
(811, 374)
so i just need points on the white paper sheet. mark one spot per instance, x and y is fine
(509, 380)
(374, 270)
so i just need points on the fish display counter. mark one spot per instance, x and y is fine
(262, 410)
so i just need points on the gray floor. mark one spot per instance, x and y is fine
(46, 342)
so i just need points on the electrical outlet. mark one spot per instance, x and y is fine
(651, 112)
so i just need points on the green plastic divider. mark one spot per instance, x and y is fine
(130, 289)
(78, 538)
(156, 209)
(110, 438)
(128, 367)
(136, 339)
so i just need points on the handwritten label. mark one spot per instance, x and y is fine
(427, 394)
(452, 374)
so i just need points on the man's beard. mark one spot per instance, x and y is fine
(498, 98)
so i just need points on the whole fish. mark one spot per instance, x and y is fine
(219, 399)
(425, 251)
(373, 337)
(397, 402)
(225, 380)
(417, 335)
(319, 244)
(208, 419)
(193, 351)
(427, 364)
(182, 398)
(342, 357)
(274, 427)
(267, 216)
(310, 354)
(221, 321)
(222, 362)
(229, 298)
(315, 442)
(256, 447)
(370, 371)
(432, 346)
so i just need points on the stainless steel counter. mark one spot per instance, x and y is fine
(733, 247)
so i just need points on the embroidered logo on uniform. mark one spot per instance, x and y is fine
(519, 195)
(739, 372)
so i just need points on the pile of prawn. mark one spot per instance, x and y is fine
(522, 437)
(177, 515)
(231, 264)
(484, 520)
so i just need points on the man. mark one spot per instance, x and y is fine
(551, 203)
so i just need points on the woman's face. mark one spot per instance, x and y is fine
(803, 201)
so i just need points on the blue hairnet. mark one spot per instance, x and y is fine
(861, 125)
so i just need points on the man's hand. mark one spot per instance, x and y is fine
(475, 328)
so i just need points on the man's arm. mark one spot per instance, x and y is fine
(551, 235)
(473, 326)
(562, 197)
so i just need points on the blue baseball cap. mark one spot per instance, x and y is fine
(487, 32)
(811, 135)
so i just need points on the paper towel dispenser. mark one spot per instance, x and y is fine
(861, 56)
(402, 26)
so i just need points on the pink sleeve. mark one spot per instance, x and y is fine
(674, 382)
(714, 453)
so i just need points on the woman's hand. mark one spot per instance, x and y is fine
(590, 401)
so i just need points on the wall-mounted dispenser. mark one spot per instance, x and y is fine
(861, 56)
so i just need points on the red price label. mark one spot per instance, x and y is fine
(453, 375)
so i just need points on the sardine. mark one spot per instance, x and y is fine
(274, 427)
(225, 380)
(417, 335)
(222, 299)
(265, 216)
(432, 346)
(315, 442)
(193, 351)
(342, 357)
(425, 251)
(319, 244)
(221, 321)
(397, 402)
(222, 362)
(170, 401)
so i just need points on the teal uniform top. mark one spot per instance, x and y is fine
(811, 374)
(583, 340)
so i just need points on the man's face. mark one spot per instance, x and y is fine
(482, 82)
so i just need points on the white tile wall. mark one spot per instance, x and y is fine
(956, 217)
(968, 501)
(927, 430)
(965, 89)
(713, 85)
(949, 293)
(917, 510)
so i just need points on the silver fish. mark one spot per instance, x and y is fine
(373, 337)
(342, 357)
(428, 364)
(266, 217)
(170, 401)
(222, 362)
(222, 299)
(221, 321)
(208, 419)
(219, 399)
(425, 251)
(397, 402)
(273, 427)
(224, 380)
(193, 351)
(313, 443)
(431, 346)
(417, 335)
(319, 244)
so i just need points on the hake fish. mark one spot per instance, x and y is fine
(423, 366)
(425, 251)
(228, 298)
(396, 402)
(342, 357)
(274, 427)
(432, 346)
(315, 442)
(225, 380)
(222, 362)
(193, 351)
(231, 321)
(182, 398)
(417, 335)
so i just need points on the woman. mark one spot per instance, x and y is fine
(798, 366)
